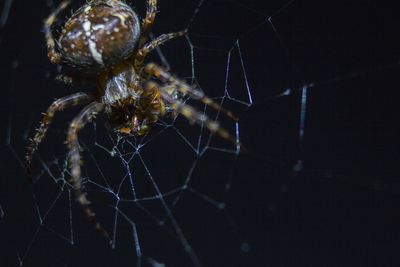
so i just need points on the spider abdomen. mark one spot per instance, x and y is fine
(99, 35)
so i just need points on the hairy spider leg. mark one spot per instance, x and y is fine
(57, 105)
(52, 53)
(185, 89)
(147, 48)
(148, 21)
(83, 118)
(190, 113)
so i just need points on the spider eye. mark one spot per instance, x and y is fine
(99, 35)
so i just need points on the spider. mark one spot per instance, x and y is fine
(104, 43)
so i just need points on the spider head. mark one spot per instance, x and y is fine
(125, 117)
(99, 35)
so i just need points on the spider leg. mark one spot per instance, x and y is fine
(85, 116)
(148, 21)
(147, 48)
(185, 89)
(53, 55)
(190, 113)
(58, 105)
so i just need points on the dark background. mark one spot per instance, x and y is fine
(340, 209)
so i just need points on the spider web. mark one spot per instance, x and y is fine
(180, 196)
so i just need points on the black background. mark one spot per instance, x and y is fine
(341, 209)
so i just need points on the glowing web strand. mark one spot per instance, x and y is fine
(250, 98)
(5, 13)
(138, 249)
(1, 212)
(303, 109)
(195, 13)
(249, 101)
(186, 246)
(298, 166)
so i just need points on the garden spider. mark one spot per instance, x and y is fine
(103, 43)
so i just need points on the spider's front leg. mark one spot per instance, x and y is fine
(148, 21)
(147, 48)
(52, 53)
(84, 117)
(58, 105)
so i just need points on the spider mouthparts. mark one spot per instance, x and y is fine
(125, 130)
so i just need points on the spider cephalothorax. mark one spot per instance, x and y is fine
(103, 42)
